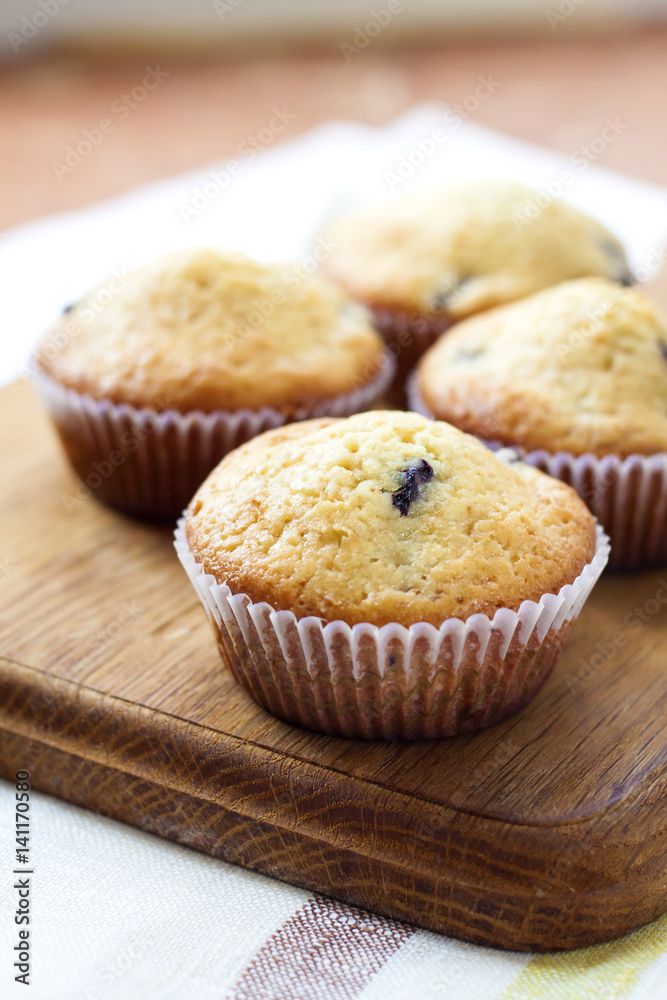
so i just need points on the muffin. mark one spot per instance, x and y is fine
(575, 379)
(430, 259)
(407, 566)
(151, 383)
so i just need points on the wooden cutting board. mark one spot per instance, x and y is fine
(547, 831)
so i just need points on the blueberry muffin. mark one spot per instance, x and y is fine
(196, 353)
(575, 377)
(581, 367)
(430, 259)
(389, 520)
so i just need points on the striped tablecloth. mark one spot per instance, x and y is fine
(121, 915)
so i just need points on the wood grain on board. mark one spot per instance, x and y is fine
(547, 831)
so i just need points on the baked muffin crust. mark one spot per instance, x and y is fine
(581, 367)
(466, 247)
(385, 517)
(210, 330)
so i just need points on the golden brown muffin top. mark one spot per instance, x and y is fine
(208, 330)
(466, 247)
(581, 367)
(385, 517)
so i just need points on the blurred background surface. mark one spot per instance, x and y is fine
(184, 83)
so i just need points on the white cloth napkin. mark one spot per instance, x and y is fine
(120, 915)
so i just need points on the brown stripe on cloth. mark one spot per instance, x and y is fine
(325, 951)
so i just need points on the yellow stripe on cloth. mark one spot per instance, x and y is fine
(604, 971)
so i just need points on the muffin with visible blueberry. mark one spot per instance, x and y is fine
(430, 259)
(406, 563)
(151, 385)
(575, 379)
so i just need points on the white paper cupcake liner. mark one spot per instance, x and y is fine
(627, 495)
(391, 682)
(151, 463)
